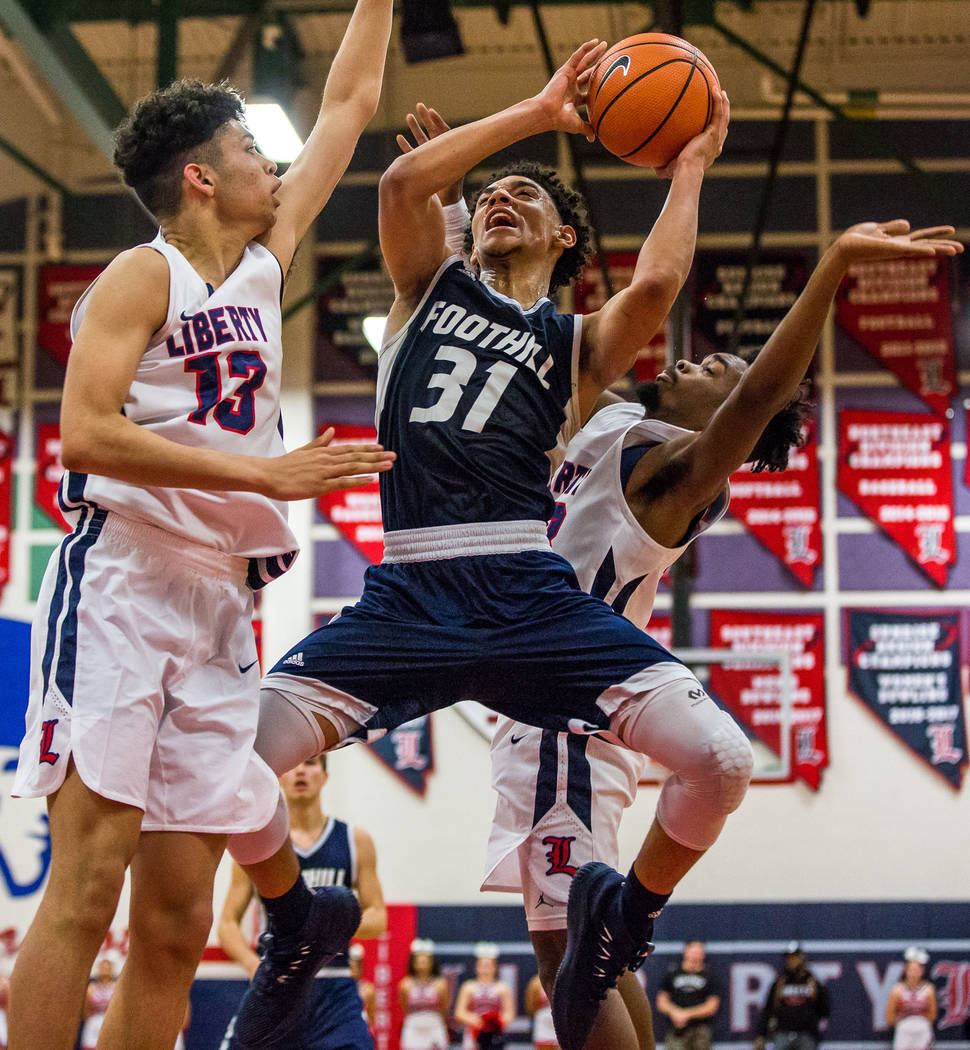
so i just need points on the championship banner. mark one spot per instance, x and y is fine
(899, 312)
(776, 282)
(59, 289)
(408, 752)
(6, 509)
(49, 470)
(895, 467)
(589, 294)
(783, 510)
(356, 513)
(752, 693)
(905, 667)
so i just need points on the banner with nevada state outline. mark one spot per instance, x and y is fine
(905, 667)
(895, 467)
(899, 311)
(356, 513)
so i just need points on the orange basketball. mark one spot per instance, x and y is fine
(649, 95)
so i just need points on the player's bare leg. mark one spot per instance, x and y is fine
(171, 915)
(614, 1028)
(662, 862)
(94, 839)
(304, 929)
(638, 1007)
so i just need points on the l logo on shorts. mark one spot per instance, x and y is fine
(46, 739)
(560, 846)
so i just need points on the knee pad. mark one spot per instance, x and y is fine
(731, 763)
(696, 800)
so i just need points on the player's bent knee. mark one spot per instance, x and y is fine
(732, 762)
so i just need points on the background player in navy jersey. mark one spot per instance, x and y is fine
(330, 854)
(144, 682)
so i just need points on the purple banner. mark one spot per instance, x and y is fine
(905, 667)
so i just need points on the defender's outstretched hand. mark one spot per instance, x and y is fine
(426, 124)
(872, 241)
(705, 147)
(321, 467)
(566, 90)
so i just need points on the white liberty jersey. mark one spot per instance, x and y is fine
(593, 527)
(210, 378)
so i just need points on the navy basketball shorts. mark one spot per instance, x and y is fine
(512, 631)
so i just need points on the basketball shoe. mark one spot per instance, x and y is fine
(599, 947)
(278, 997)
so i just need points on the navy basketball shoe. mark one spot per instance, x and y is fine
(278, 997)
(599, 948)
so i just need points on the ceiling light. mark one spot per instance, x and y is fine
(275, 135)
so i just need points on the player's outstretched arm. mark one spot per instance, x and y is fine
(702, 465)
(127, 305)
(615, 334)
(411, 226)
(231, 938)
(373, 918)
(350, 99)
(773, 379)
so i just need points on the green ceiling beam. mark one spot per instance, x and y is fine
(70, 71)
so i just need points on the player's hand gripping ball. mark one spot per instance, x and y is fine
(649, 95)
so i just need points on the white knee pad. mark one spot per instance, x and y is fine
(254, 846)
(288, 733)
(710, 759)
(695, 801)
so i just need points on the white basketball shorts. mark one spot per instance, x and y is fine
(144, 671)
(560, 798)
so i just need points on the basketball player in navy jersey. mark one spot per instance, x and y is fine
(144, 687)
(479, 379)
(331, 853)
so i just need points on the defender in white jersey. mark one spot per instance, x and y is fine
(637, 485)
(144, 679)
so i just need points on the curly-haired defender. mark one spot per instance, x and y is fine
(572, 212)
(168, 128)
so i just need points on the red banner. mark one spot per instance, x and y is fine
(589, 294)
(752, 693)
(783, 510)
(356, 513)
(6, 495)
(899, 312)
(49, 471)
(59, 289)
(385, 963)
(895, 467)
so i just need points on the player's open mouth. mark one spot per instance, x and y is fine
(499, 217)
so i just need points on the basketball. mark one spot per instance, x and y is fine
(649, 95)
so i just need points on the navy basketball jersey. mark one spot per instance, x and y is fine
(474, 394)
(330, 861)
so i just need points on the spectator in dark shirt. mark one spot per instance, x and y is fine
(796, 1007)
(690, 997)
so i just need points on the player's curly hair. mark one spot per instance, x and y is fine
(783, 432)
(165, 130)
(570, 206)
